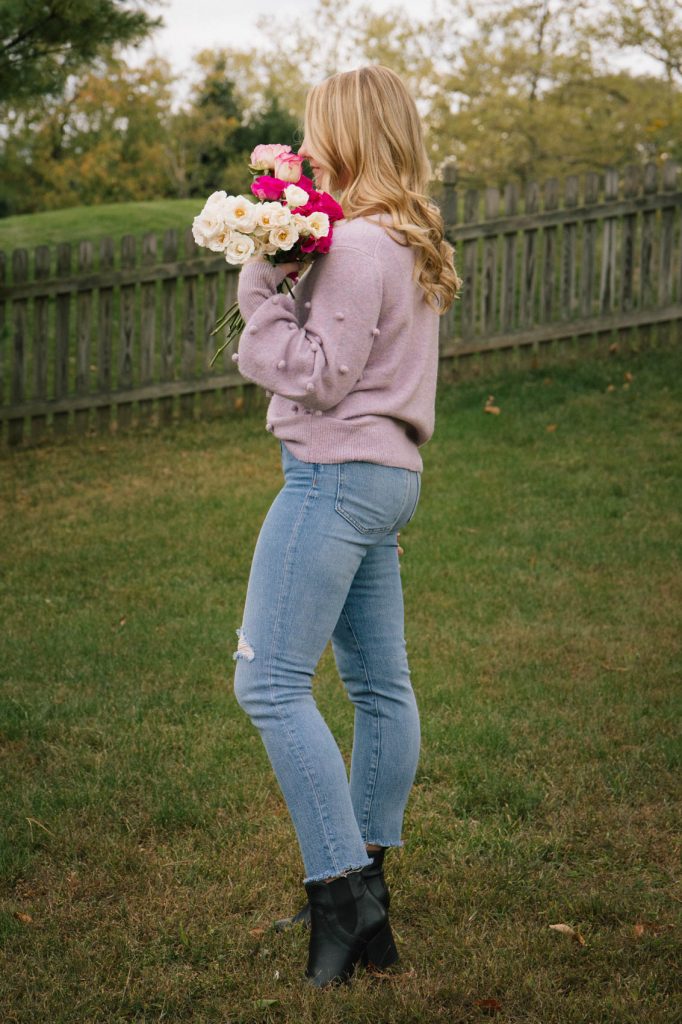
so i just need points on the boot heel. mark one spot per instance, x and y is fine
(381, 950)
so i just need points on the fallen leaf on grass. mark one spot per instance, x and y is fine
(628, 376)
(256, 932)
(654, 927)
(611, 387)
(122, 621)
(614, 347)
(24, 918)
(551, 427)
(566, 929)
(239, 403)
(489, 407)
(489, 1005)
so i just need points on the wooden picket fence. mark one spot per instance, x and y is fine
(124, 339)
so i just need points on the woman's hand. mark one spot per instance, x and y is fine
(291, 268)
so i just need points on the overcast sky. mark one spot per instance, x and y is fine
(193, 25)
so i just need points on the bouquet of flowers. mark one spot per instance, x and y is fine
(289, 221)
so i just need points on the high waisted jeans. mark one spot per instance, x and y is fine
(326, 567)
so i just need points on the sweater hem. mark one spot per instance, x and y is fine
(325, 440)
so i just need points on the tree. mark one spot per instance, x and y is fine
(103, 140)
(43, 43)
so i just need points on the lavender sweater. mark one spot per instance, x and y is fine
(351, 358)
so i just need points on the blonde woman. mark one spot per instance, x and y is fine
(351, 360)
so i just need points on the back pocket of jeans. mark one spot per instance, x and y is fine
(371, 496)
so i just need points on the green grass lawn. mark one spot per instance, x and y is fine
(94, 222)
(147, 847)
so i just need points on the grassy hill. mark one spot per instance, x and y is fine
(95, 222)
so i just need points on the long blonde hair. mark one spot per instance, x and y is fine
(364, 126)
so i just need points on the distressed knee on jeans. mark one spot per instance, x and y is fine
(244, 648)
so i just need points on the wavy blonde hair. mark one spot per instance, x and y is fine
(366, 132)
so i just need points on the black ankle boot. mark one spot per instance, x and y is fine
(344, 916)
(381, 951)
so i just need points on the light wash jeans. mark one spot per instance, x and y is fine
(326, 567)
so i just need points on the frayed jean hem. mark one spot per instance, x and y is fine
(333, 874)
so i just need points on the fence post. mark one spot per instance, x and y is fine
(41, 335)
(60, 420)
(105, 331)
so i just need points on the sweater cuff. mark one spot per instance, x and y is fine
(257, 283)
(262, 275)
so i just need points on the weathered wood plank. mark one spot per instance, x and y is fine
(83, 335)
(549, 250)
(529, 264)
(607, 285)
(469, 269)
(630, 188)
(507, 313)
(569, 248)
(153, 391)
(147, 327)
(210, 309)
(19, 348)
(647, 291)
(589, 249)
(491, 206)
(169, 288)
(572, 328)
(627, 254)
(124, 410)
(189, 329)
(666, 255)
(104, 336)
(60, 421)
(41, 307)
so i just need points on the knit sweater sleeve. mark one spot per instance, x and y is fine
(319, 364)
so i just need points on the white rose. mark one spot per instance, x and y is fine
(215, 198)
(295, 196)
(280, 215)
(318, 223)
(301, 223)
(269, 215)
(239, 248)
(208, 229)
(240, 213)
(284, 236)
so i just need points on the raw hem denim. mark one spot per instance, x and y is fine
(326, 567)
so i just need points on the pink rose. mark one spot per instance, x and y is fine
(305, 183)
(327, 204)
(288, 167)
(263, 157)
(309, 244)
(268, 188)
(321, 201)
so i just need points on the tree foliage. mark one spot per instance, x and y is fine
(42, 43)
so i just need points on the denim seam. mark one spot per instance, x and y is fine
(275, 703)
(350, 518)
(366, 813)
